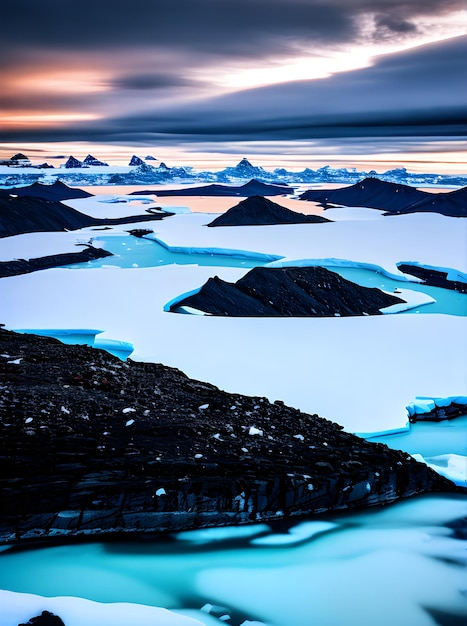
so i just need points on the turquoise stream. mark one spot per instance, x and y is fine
(132, 251)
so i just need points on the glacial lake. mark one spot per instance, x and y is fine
(130, 251)
(138, 252)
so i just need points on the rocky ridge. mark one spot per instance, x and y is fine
(93, 445)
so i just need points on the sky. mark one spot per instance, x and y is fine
(329, 80)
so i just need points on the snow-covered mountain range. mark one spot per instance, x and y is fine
(92, 171)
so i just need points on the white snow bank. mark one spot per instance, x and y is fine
(452, 466)
(16, 608)
(35, 245)
(345, 214)
(428, 239)
(413, 300)
(113, 206)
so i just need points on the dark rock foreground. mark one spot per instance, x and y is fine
(259, 211)
(288, 292)
(92, 445)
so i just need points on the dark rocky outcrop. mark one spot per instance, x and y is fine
(44, 619)
(394, 198)
(259, 211)
(58, 191)
(288, 292)
(91, 444)
(251, 188)
(29, 215)
(21, 266)
(435, 278)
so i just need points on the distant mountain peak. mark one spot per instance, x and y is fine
(136, 160)
(73, 162)
(19, 156)
(90, 160)
(149, 157)
(245, 164)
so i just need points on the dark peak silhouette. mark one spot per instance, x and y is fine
(391, 197)
(90, 160)
(244, 163)
(19, 156)
(252, 188)
(57, 191)
(452, 204)
(149, 157)
(136, 160)
(72, 162)
(257, 210)
(163, 166)
(288, 292)
(29, 215)
(370, 192)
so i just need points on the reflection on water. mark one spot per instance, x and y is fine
(394, 565)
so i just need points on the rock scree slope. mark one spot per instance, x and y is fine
(94, 445)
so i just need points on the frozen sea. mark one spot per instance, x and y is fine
(404, 564)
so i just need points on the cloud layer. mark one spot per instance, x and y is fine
(150, 69)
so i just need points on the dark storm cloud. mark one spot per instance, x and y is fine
(416, 89)
(152, 81)
(394, 25)
(205, 27)
(421, 92)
